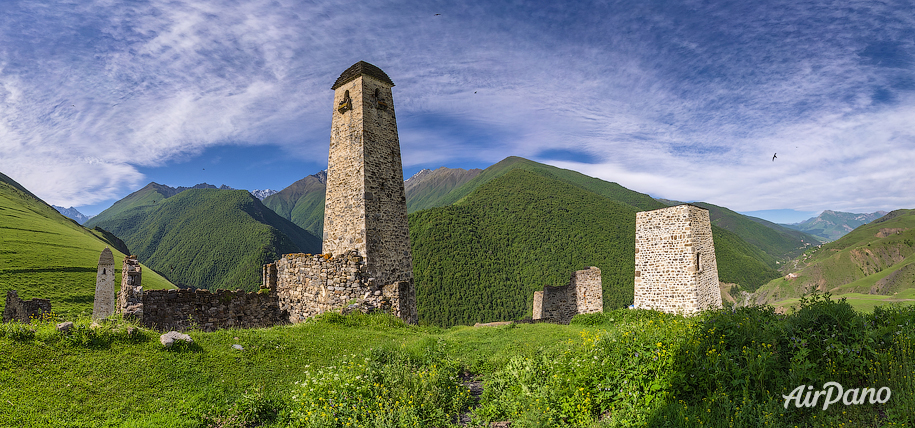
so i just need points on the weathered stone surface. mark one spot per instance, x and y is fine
(582, 295)
(64, 326)
(104, 305)
(675, 267)
(130, 299)
(169, 339)
(24, 311)
(367, 264)
(184, 309)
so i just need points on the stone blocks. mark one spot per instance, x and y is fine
(675, 267)
(104, 305)
(582, 295)
(24, 311)
(308, 285)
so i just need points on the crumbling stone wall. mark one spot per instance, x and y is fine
(130, 298)
(311, 284)
(185, 309)
(24, 311)
(675, 267)
(582, 295)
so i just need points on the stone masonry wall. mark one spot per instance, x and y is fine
(675, 267)
(24, 311)
(582, 295)
(308, 285)
(365, 211)
(184, 309)
(365, 207)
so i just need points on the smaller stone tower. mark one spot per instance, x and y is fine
(675, 267)
(104, 286)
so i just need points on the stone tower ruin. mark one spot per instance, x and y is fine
(582, 295)
(675, 267)
(366, 263)
(104, 286)
(365, 208)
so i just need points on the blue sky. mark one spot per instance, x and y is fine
(683, 100)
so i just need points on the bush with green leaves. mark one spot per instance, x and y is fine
(386, 388)
(619, 374)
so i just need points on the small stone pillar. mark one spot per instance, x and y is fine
(104, 287)
(130, 299)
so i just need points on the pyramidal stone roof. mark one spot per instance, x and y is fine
(106, 258)
(359, 69)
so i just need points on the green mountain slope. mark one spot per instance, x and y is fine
(832, 225)
(875, 258)
(141, 200)
(44, 254)
(481, 260)
(426, 188)
(777, 243)
(302, 203)
(610, 190)
(207, 238)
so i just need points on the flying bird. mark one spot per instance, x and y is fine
(438, 14)
(773, 157)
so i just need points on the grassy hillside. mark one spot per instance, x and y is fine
(874, 259)
(481, 260)
(302, 203)
(44, 254)
(207, 238)
(427, 188)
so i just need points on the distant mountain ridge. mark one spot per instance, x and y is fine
(426, 188)
(779, 243)
(302, 202)
(832, 225)
(205, 237)
(876, 259)
(150, 194)
(72, 213)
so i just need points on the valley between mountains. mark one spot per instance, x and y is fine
(482, 240)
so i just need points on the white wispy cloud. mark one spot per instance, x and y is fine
(678, 99)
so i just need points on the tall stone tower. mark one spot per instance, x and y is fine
(104, 286)
(365, 208)
(675, 267)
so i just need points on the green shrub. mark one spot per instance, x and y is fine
(386, 388)
(17, 331)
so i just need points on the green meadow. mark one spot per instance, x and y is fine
(623, 368)
(44, 254)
